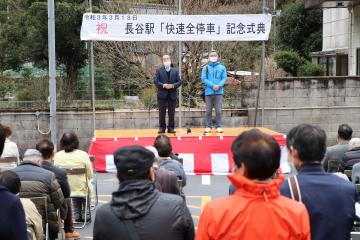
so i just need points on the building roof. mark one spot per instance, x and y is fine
(330, 3)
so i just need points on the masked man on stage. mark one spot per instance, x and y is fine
(214, 77)
(167, 81)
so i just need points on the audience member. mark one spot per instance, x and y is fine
(71, 157)
(329, 199)
(37, 182)
(166, 181)
(11, 181)
(352, 156)
(137, 209)
(12, 216)
(10, 147)
(256, 210)
(46, 148)
(163, 146)
(336, 152)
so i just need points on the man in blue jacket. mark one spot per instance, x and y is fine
(12, 216)
(167, 81)
(329, 199)
(214, 77)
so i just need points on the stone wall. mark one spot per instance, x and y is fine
(324, 101)
(26, 134)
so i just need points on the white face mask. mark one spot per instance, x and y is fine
(167, 64)
(213, 59)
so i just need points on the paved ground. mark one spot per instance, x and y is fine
(199, 190)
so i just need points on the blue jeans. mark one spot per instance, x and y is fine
(213, 101)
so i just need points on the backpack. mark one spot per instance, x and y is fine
(202, 94)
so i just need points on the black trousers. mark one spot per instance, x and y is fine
(170, 105)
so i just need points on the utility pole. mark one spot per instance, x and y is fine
(52, 71)
(180, 59)
(92, 81)
(263, 72)
(261, 85)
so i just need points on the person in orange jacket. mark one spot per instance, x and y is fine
(256, 210)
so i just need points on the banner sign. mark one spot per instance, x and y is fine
(118, 27)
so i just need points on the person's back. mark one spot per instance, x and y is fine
(137, 207)
(37, 182)
(33, 219)
(174, 166)
(329, 199)
(256, 210)
(351, 158)
(12, 216)
(155, 215)
(336, 152)
(75, 159)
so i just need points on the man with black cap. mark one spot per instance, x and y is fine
(137, 209)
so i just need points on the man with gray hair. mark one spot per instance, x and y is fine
(39, 182)
(352, 156)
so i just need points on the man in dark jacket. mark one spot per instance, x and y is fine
(12, 216)
(329, 199)
(46, 148)
(352, 156)
(138, 210)
(36, 182)
(167, 81)
(335, 153)
(164, 147)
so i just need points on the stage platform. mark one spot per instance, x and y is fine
(202, 153)
(129, 133)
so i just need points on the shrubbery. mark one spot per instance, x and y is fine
(296, 65)
(311, 69)
(290, 61)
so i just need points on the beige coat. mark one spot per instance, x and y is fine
(33, 218)
(75, 159)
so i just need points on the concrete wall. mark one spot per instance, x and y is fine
(323, 101)
(26, 134)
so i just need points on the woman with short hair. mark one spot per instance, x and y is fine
(71, 157)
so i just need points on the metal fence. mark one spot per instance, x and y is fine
(127, 103)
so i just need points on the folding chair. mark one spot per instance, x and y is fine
(29, 234)
(81, 172)
(7, 163)
(333, 166)
(41, 205)
(348, 173)
(94, 182)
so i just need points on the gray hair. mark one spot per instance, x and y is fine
(354, 142)
(33, 155)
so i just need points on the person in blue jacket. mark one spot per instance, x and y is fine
(214, 77)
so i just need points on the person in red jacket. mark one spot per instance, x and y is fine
(256, 210)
